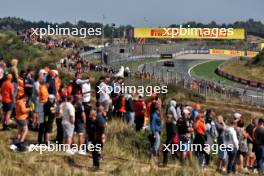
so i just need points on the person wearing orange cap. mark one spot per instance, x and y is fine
(200, 138)
(7, 91)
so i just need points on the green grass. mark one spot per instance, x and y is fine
(207, 71)
(28, 55)
(246, 71)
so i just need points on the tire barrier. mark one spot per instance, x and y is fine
(234, 78)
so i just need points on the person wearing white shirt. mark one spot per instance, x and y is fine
(67, 112)
(232, 144)
(104, 92)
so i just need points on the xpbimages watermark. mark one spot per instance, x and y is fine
(148, 90)
(183, 147)
(56, 30)
(56, 147)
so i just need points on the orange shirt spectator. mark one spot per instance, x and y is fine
(7, 90)
(21, 110)
(199, 126)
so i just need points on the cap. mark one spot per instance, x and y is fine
(197, 107)
(237, 115)
(56, 72)
(52, 73)
(51, 97)
(186, 111)
(140, 95)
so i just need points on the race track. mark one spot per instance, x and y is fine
(184, 63)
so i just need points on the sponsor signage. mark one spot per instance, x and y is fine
(227, 52)
(262, 46)
(190, 33)
(166, 55)
(251, 53)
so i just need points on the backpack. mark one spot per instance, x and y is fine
(228, 137)
(242, 141)
(213, 131)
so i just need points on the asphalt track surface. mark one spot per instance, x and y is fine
(182, 68)
(182, 65)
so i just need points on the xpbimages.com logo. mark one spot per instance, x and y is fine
(56, 30)
(148, 90)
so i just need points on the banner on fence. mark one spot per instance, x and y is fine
(227, 52)
(262, 46)
(251, 53)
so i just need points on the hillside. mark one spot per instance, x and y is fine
(126, 152)
(28, 55)
(258, 60)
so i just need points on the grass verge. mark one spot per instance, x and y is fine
(243, 70)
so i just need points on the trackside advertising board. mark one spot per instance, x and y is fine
(233, 52)
(251, 53)
(227, 52)
(190, 33)
(262, 46)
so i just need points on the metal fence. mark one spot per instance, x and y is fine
(171, 76)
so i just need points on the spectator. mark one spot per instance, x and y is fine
(251, 157)
(200, 138)
(80, 119)
(222, 154)
(130, 110)
(22, 113)
(7, 90)
(29, 81)
(67, 112)
(155, 126)
(140, 110)
(185, 129)
(105, 99)
(230, 139)
(259, 135)
(98, 136)
(171, 132)
(43, 98)
(243, 146)
(49, 117)
(172, 110)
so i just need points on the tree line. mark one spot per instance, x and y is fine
(251, 26)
